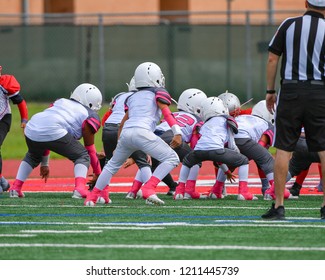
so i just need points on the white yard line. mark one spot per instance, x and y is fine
(17, 235)
(159, 246)
(217, 223)
(61, 231)
(126, 227)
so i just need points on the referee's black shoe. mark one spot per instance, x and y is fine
(295, 189)
(275, 213)
(322, 213)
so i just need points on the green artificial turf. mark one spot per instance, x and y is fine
(225, 229)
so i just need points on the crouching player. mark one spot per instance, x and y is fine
(216, 133)
(58, 129)
(144, 110)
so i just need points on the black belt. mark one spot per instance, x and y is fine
(312, 82)
(112, 124)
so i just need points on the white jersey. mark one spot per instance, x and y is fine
(143, 110)
(252, 127)
(214, 134)
(186, 121)
(65, 116)
(118, 110)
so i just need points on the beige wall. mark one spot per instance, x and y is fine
(10, 6)
(36, 6)
(117, 7)
(114, 6)
(128, 6)
(244, 5)
(153, 6)
(15, 6)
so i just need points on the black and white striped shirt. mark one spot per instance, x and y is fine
(301, 42)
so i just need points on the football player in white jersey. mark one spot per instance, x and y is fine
(251, 128)
(216, 142)
(9, 90)
(144, 110)
(188, 119)
(58, 129)
(110, 138)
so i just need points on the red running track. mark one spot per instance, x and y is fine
(61, 178)
(63, 168)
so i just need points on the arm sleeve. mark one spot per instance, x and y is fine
(45, 158)
(195, 135)
(194, 139)
(170, 119)
(22, 106)
(224, 168)
(94, 162)
(105, 117)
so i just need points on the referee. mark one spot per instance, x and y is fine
(301, 99)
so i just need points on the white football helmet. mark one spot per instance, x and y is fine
(190, 100)
(131, 85)
(88, 95)
(231, 102)
(211, 107)
(148, 74)
(261, 111)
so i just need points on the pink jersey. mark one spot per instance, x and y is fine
(188, 123)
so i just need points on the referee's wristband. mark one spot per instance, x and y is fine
(271, 91)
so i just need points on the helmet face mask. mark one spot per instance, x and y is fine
(88, 95)
(131, 85)
(261, 111)
(232, 102)
(211, 107)
(190, 101)
(148, 74)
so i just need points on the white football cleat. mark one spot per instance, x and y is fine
(101, 200)
(90, 203)
(131, 195)
(154, 200)
(16, 193)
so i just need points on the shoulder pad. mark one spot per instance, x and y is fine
(231, 122)
(94, 121)
(126, 107)
(117, 96)
(270, 134)
(163, 96)
(10, 84)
